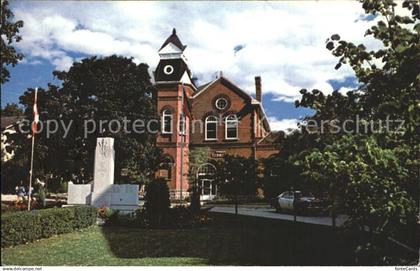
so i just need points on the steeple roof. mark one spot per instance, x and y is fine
(174, 40)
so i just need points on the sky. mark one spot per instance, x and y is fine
(283, 42)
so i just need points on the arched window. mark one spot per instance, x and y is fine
(211, 128)
(207, 169)
(206, 174)
(165, 168)
(167, 121)
(182, 124)
(231, 127)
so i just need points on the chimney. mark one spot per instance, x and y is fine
(258, 94)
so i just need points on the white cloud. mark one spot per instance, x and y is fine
(63, 63)
(285, 125)
(285, 41)
(344, 90)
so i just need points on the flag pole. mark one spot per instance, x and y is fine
(30, 172)
(35, 122)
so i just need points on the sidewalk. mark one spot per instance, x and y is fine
(272, 214)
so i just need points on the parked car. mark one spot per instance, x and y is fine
(295, 201)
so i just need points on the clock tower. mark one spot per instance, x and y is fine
(174, 87)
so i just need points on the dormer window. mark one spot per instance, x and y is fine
(167, 118)
(231, 127)
(211, 128)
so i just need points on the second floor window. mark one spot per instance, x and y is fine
(211, 128)
(167, 121)
(182, 124)
(231, 127)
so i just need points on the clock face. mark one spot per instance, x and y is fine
(168, 69)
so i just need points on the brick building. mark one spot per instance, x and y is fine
(218, 115)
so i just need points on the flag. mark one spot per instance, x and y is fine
(36, 115)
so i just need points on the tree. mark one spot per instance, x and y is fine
(9, 35)
(157, 202)
(280, 174)
(196, 158)
(364, 181)
(370, 175)
(11, 109)
(94, 90)
(237, 175)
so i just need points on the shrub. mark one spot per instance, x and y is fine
(195, 199)
(157, 201)
(27, 226)
(182, 217)
(135, 219)
(175, 218)
(8, 208)
(108, 216)
(105, 212)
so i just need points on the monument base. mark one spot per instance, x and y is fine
(175, 194)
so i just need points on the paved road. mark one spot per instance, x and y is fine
(271, 213)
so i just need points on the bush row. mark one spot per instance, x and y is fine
(174, 218)
(22, 227)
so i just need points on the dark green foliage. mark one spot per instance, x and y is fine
(14, 172)
(370, 175)
(8, 208)
(196, 158)
(11, 109)
(237, 175)
(280, 175)
(157, 201)
(195, 204)
(93, 90)
(9, 36)
(27, 226)
(175, 218)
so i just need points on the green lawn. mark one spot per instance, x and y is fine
(227, 241)
(89, 247)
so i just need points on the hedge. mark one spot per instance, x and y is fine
(27, 226)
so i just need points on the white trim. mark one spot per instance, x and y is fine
(221, 98)
(264, 117)
(210, 179)
(175, 82)
(183, 128)
(237, 127)
(185, 79)
(215, 80)
(204, 89)
(170, 48)
(163, 121)
(206, 164)
(205, 128)
(171, 51)
(253, 101)
(171, 69)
